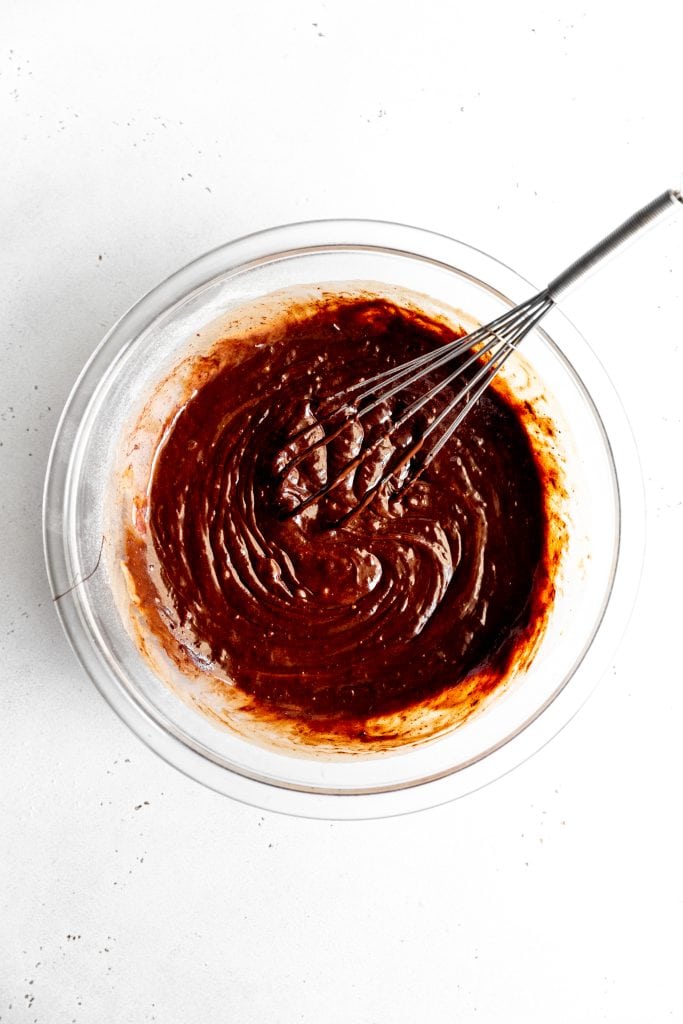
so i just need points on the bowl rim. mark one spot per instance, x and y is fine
(267, 245)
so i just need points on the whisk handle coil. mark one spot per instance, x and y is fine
(637, 222)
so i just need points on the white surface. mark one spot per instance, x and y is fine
(137, 136)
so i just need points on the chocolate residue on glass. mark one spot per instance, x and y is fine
(340, 636)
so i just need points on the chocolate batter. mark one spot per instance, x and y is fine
(408, 601)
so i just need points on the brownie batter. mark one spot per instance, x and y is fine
(413, 597)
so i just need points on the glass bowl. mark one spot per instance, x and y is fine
(600, 571)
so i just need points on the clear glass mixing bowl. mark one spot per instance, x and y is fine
(600, 573)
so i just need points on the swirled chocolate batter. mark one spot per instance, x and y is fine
(428, 601)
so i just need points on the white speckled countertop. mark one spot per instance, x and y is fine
(136, 136)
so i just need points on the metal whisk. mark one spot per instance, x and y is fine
(387, 457)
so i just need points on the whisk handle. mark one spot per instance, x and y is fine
(641, 219)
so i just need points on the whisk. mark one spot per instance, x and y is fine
(388, 460)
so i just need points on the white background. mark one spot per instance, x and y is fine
(134, 137)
